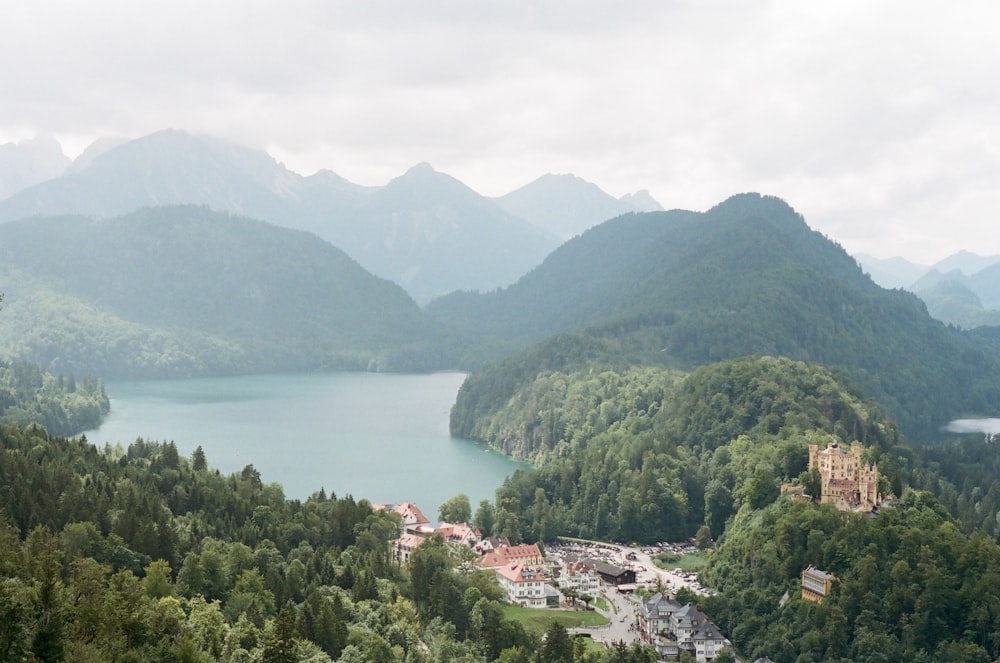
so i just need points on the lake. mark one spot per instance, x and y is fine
(383, 437)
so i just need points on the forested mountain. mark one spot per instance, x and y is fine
(950, 298)
(424, 230)
(174, 291)
(963, 289)
(645, 454)
(748, 277)
(964, 299)
(566, 205)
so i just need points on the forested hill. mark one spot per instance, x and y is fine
(747, 277)
(141, 554)
(185, 291)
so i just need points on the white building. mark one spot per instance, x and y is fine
(524, 586)
(580, 578)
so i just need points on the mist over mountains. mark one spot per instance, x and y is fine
(963, 289)
(423, 230)
(567, 205)
(30, 162)
(747, 277)
(180, 255)
(186, 291)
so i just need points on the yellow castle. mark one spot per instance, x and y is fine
(847, 483)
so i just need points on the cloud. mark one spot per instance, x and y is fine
(877, 121)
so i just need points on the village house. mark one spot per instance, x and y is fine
(413, 519)
(489, 544)
(524, 586)
(614, 575)
(708, 642)
(580, 577)
(654, 615)
(404, 546)
(503, 555)
(846, 482)
(416, 529)
(458, 533)
(672, 628)
(696, 633)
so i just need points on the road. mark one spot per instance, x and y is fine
(621, 617)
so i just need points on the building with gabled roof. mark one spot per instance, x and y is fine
(458, 533)
(708, 641)
(524, 586)
(614, 575)
(493, 560)
(490, 544)
(404, 546)
(654, 615)
(412, 517)
(579, 577)
(528, 555)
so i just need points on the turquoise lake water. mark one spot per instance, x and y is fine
(382, 437)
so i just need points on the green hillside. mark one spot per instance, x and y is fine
(748, 277)
(184, 291)
(645, 454)
(143, 555)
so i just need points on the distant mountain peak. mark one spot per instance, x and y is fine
(564, 205)
(642, 200)
(29, 162)
(422, 167)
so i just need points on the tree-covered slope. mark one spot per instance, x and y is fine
(909, 585)
(642, 454)
(748, 277)
(184, 290)
(60, 403)
(141, 554)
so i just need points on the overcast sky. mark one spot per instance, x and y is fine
(878, 121)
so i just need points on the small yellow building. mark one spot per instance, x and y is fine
(816, 584)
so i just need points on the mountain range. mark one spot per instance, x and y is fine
(963, 289)
(747, 277)
(180, 255)
(423, 230)
(184, 290)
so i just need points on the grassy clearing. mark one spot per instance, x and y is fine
(537, 620)
(689, 562)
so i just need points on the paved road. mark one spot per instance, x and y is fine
(622, 617)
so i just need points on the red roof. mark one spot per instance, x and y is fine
(411, 514)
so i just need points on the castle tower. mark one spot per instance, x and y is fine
(845, 481)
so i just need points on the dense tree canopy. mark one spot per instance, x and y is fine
(646, 454)
(141, 554)
(63, 405)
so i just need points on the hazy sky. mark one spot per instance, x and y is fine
(878, 121)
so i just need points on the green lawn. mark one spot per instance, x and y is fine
(689, 563)
(537, 620)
